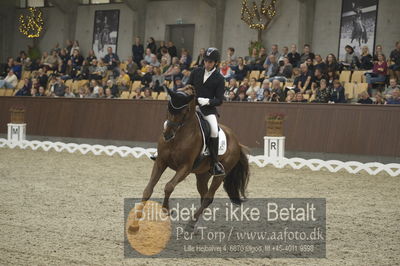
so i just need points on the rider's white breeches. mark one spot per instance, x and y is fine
(212, 120)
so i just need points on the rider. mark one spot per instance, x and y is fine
(209, 85)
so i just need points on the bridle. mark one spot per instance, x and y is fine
(182, 122)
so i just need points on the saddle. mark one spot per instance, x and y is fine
(206, 134)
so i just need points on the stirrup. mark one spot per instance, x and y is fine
(217, 169)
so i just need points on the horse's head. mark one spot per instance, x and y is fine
(180, 106)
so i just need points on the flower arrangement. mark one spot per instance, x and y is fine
(275, 124)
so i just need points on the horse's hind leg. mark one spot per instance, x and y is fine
(158, 169)
(202, 185)
(180, 175)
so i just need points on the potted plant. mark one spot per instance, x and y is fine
(275, 124)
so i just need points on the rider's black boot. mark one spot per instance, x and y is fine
(217, 169)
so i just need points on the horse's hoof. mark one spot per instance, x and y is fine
(133, 229)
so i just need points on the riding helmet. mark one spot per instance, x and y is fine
(212, 54)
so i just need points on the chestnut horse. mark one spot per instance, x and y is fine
(179, 146)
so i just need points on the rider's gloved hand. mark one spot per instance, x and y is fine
(203, 101)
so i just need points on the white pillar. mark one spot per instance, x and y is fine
(16, 132)
(274, 147)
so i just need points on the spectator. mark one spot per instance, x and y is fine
(42, 77)
(115, 90)
(97, 70)
(274, 52)
(241, 97)
(299, 98)
(366, 59)
(34, 92)
(178, 83)
(351, 60)
(337, 94)
(264, 87)
(154, 61)
(378, 73)
(252, 59)
(306, 54)
(244, 86)
(395, 97)
(138, 94)
(185, 60)
(395, 58)
(62, 64)
(232, 87)
(70, 71)
(58, 89)
(231, 58)
(322, 93)
(226, 71)
(77, 60)
(111, 60)
(158, 80)
(277, 93)
(172, 72)
(252, 96)
(159, 50)
(364, 98)
(240, 70)
(132, 68)
(84, 91)
(332, 75)
(200, 58)
(123, 77)
(172, 49)
(84, 72)
(164, 65)
(231, 97)
(91, 56)
(285, 71)
(25, 90)
(389, 90)
(332, 63)
(185, 77)
(378, 51)
(291, 96)
(303, 82)
(266, 97)
(147, 77)
(379, 99)
(137, 51)
(69, 46)
(108, 94)
(75, 46)
(319, 63)
(148, 55)
(272, 68)
(151, 44)
(68, 93)
(294, 56)
(285, 52)
(310, 65)
(10, 82)
(262, 56)
(42, 91)
(253, 87)
(318, 76)
(165, 55)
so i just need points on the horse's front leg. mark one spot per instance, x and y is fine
(158, 169)
(207, 200)
(180, 175)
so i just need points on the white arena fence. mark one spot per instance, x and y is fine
(353, 167)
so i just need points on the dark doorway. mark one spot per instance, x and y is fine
(182, 35)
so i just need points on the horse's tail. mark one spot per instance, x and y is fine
(236, 180)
